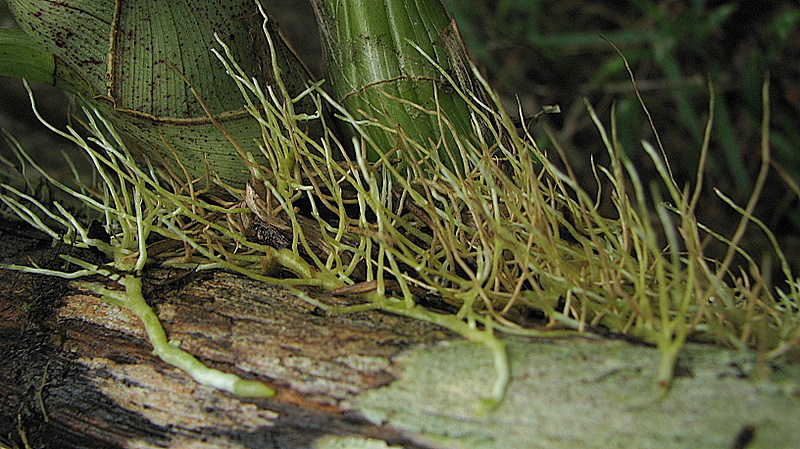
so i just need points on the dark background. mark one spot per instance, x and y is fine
(554, 52)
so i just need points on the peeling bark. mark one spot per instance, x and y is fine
(79, 372)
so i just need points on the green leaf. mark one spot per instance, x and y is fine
(20, 57)
(138, 61)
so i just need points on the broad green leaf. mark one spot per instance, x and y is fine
(132, 59)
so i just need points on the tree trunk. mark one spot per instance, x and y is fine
(78, 372)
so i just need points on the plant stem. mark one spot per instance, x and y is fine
(378, 68)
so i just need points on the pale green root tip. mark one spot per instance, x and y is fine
(252, 389)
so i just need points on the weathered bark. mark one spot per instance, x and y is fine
(77, 372)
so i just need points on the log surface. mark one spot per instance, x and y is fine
(78, 372)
